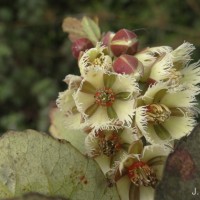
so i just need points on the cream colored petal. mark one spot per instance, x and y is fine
(73, 81)
(151, 151)
(149, 95)
(141, 119)
(125, 110)
(146, 193)
(123, 187)
(152, 137)
(128, 136)
(185, 98)
(104, 163)
(161, 68)
(145, 58)
(83, 101)
(149, 55)
(147, 61)
(183, 52)
(74, 121)
(92, 145)
(160, 50)
(100, 119)
(179, 126)
(65, 101)
(191, 74)
(125, 83)
(95, 77)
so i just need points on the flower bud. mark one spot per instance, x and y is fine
(124, 42)
(107, 38)
(126, 64)
(79, 45)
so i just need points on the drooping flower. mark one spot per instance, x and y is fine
(163, 115)
(94, 59)
(137, 175)
(106, 145)
(175, 69)
(148, 57)
(106, 99)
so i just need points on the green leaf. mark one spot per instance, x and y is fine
(91, 29)
(34, 162)
(59, 130)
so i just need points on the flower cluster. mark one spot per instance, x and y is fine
(132, 104)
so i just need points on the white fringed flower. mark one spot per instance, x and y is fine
(136, 176)
(106, 99)
(109, 142)
(149, 56)
(95, 58)
(175, 69)
(165, 115)
(107, 145)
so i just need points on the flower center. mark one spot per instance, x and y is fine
(141, 174)
(157, 113)
(104, 97)
(98, 61)
(109, 143)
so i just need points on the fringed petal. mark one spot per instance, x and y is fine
(161, 68)
(153, 136)
(152, 91)
(183, 52)
(65, 101)
(152, 151)
(125, 111)
(179, 126)
(141, 119)
(125, 83)
(191, 74)
(128, 135)
(185, 98)
(73, 81)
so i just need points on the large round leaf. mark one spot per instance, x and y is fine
(35, 162)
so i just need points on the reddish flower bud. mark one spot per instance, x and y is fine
(79, 45)
(124, 42)
(125, 64)
(107, 38)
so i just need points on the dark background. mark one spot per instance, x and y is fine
(35, 54)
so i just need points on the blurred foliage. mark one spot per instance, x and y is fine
(35, 54)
